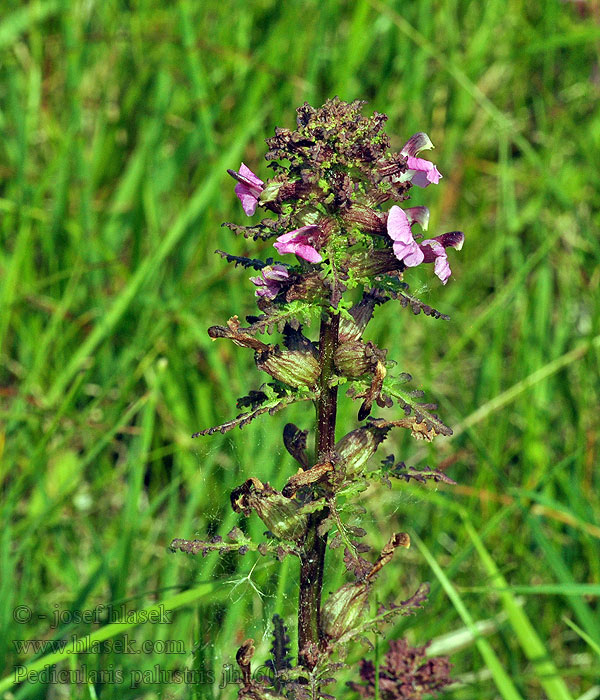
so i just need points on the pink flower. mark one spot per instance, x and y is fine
(406, 249)
(423, 172)
(248, 188)
(298, 242)
(433, 250)
(269, 281)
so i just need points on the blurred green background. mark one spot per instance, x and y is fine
(117, 123)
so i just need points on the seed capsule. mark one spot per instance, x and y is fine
(344, 609)
(293, 367)
(281, 515)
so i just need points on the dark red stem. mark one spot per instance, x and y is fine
(312, 561)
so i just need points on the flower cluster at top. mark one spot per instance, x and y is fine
(332, 178)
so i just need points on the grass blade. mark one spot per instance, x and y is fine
(528, 638)
(505, 686)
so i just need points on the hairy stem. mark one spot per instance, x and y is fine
(312, 560)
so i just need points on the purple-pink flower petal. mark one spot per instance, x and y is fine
(248, 188)
(435, 252)
(418, 215)
(453, 239)
(248, 175)
(398, 225)
(298, 242)
(425, 171)
(269, 280)
(416, 143)
(410, 254)
(276, 273)
(441, 267)
(308, 253)
(406, 249)
(248, 199)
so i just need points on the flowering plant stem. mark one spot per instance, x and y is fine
(312, 561)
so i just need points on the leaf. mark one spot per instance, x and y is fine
(243, 419)
(325, 526)
(360, 314)
(372, 392)
(335, 541)
(401, 471)
(410, 606)
(417, 306)
(398, 290)
(240, 336)
(393, 387)
(255, 398)
(239, 543)
(253, 263)
(315, 474)
(294, 339)
(276, 317)
(356, 565)
(335, 284)
(256, 232)
(280, 647)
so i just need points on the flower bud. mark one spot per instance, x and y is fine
(281, 515)
(293, 367)
(269, 281)
(373, 393)
(344, 609)
(244, 657)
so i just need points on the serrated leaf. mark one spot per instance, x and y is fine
(253, 263)
(410, 406)
(243, 419)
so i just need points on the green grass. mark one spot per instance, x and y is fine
(117, 123)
